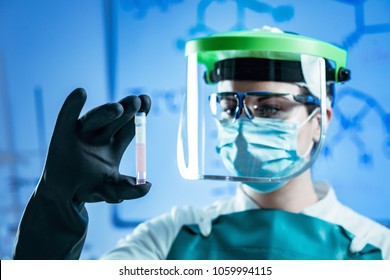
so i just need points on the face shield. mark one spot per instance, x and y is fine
(255, 107)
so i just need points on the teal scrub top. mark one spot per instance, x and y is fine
(268, 235)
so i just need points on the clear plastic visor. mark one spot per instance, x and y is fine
(252, 119)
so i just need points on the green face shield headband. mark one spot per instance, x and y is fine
(247, 43)
(253, 74)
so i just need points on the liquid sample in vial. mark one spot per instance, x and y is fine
(140, 150)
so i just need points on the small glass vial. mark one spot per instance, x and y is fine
(140, 143)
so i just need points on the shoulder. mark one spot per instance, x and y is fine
(364, 229)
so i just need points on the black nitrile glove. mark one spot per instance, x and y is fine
(82, 165)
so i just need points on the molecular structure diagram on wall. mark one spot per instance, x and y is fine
(140, 8)
(280, 13)
(361, 28)
(351, 126)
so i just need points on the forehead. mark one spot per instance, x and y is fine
(244, 86)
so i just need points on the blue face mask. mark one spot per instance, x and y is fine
(261, 147)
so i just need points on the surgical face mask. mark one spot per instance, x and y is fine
(262, 147)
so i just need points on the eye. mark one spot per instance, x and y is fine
(228, 106)
(266, 110)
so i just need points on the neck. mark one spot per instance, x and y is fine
(296, 195)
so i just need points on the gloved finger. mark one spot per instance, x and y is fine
(126, 188)
(99, 117)
(114, 192)
(70, 112)
(124, 136)
(146, 103)
(131, 105)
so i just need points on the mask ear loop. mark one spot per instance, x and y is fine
(309, 118)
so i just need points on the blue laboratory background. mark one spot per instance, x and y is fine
(113, 48)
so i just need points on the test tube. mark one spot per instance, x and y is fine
(140, 149)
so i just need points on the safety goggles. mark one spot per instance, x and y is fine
(228, 106)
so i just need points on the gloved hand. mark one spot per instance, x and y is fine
(82, 165)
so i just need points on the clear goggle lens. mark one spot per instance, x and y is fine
(228, 106)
